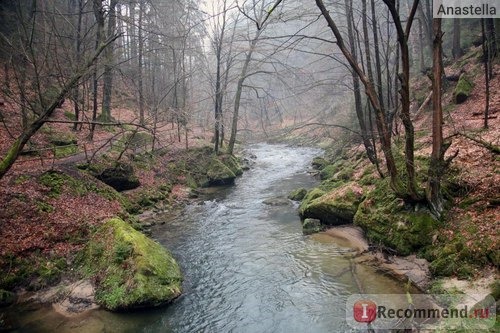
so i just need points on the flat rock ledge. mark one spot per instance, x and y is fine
(405, 269)
(69, 300)
(409, 268)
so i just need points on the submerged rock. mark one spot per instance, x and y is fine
(279, 201)
(129, 269)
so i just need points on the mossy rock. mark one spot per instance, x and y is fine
(298, 194)
(319, 163)
(219, 173)
(388, 221)
(201, 167)
(462, 90)
(335, 207)
(311, 226)
(63, 139)
(120, 176)
(311, 195)
(129, 269)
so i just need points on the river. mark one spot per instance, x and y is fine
(247, 265)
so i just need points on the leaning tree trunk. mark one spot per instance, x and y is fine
(384, 135)
(11, 156)
(239, 90)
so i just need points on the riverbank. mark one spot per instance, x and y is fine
(407, 241)
(72, 240)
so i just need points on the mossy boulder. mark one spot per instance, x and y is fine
(335, 207)
(319, 163)
(120, 176)
(298, 194)
(311, 195)
(311, 226)
(129, 269)
(201, 167)
(219, 173)
(389, 222)
(462, 89)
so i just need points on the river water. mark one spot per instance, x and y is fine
(247, 265)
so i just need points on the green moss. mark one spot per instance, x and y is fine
(44, 207)
(463, 89)
(57, 181)
(389, 222)
(298, 194)
(319, 163)
(130, 269)
(310, 196)
(200, 167)
(65, 151)
(335, 207)
(70, 115)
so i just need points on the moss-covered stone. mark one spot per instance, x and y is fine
(463, 89)
(298, 194)
(120, 176)
(335, 207)
(129, 269)
(319, 163)
(310, 196)
(201, 167)
(311, 226)
(389, 222)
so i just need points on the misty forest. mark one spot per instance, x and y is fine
(246, 165)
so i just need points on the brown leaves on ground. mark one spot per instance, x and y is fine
(475, 215)
(33, 220)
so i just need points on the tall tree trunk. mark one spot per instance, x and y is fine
(436, 167)
(404, 79)
(384, 135)
(108, 65)
(239, 90)
(140, 63)
(378, 64)
(78, 55)
(487, 64)
(99, 16)
(456, 49)
(358, 105)
(371, 149)
(491, 37)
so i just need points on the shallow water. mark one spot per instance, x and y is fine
(247, 265)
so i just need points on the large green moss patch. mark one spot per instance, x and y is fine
(129, 269)
(335, 207)
(389, 222)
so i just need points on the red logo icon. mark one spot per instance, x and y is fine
(364, 311)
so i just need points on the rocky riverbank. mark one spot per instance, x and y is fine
(95, 254)
(403, 240)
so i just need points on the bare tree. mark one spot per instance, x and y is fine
(262, 12)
